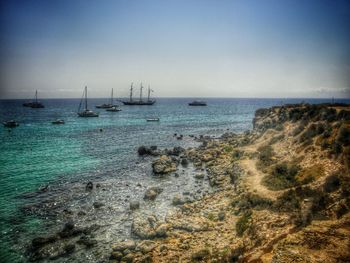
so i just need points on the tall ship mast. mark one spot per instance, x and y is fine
(140, 101)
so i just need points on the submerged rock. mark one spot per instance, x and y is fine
(98, 204)
(143, 150)
(152, 193)
(134, 205)
(89, 186)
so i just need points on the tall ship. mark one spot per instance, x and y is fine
(34, 104)
(85, 112)
(139, 101)
(107, 105)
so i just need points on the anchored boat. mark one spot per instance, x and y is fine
(106, 105)
(197, 103)
(58, 121)
(140, 101)
(85, 112)
(34, 104)
(10, 124)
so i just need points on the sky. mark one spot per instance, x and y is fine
(182, 48)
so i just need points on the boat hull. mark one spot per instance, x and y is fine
(138, 103)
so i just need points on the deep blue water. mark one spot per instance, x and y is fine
(38, 153)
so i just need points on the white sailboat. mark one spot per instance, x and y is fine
(85, 112)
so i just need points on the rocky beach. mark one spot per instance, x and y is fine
(276, 193)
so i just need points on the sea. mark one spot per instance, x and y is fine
(44, 168)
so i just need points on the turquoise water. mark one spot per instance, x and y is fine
(37, 153)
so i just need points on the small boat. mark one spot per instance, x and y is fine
(106, 105)
(58, 121)
(34, 104)
(140, 101)
(86, 112)
(197, 103)
(152, 119)
(10, 124)
(113, 109)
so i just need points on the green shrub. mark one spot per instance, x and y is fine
(228, 148)
(236, 154)
(283, 176)
(343, 136)
(243, 223)
(265, 155)
(251, 200)
(287, 202)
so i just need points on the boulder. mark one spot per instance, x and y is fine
(164, 165)
(184, 162)
(121, 246)
(143, 150)
(146, 246)
(148, 228)
(98, 204)
(199, 176)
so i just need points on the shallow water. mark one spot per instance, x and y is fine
(66, 157)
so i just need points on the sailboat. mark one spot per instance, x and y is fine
(131, 101)
(106, 105)
(36, 104)
(85, 112)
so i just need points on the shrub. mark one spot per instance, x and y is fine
(228, 148)
(343, 136)
(332, 183)
(287, 202)
(236, 154)
(311, 173)
(251, 200)
(343, 115)
(282, 176)
(265, 155)
(243, 223)
(279, 127)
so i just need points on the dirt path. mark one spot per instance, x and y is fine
(253, 179)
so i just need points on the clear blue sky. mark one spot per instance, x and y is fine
(217, 48)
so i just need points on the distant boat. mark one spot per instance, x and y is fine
(113, 109)
(10, 124)
(197, 103)
(36, 104)
(85, 112)
(152, 119)
(58, 121)
(108, 105)
(140, 101)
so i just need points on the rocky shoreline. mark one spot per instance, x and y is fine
(259, 196)
(272, 202)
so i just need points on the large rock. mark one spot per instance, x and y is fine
(143, 150)
(164, 165)
(148, 228)
(152, 193)
(121, 246)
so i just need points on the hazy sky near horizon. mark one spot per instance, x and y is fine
(202, 48)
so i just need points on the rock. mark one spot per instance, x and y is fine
(184, 162)
(130, 244)
(201, 254)
(162, 230)
(176, 175)
(98, 204)
(144, 228)
(152, 193)
(175, 151)
(143, 150)
(69, 230)
(146, 246)
(128, 258)
(134, 205)
(177, 200)
(42, 241)
(199, 176)
(116, 255)
(86, 241)
(164, 165)
(68, 249)
(89, 186)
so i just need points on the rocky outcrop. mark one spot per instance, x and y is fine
(148, 227)
(164, 165)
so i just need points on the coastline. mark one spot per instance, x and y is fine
(247, 219)
(239, 219)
